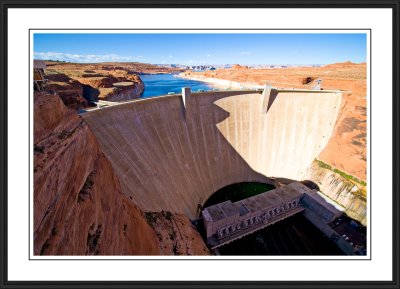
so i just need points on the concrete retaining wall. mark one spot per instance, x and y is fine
(342, 191)
(328, 231)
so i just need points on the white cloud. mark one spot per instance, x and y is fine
(170, 56)
(189, 62)
(209, 55)
(245, 53)
(85, 58)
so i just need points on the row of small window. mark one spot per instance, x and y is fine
(224, 232)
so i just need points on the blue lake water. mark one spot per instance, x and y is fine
(161, 84)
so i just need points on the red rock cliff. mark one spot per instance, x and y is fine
(78, 205)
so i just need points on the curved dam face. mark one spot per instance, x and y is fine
(173, 152)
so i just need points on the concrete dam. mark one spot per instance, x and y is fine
(173, 152)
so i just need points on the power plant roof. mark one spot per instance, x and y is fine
(258, 202)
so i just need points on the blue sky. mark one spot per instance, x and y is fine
(195, 49)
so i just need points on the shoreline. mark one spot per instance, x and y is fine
(222, 83)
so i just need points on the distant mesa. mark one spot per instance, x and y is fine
(238, 66)
(344, 64)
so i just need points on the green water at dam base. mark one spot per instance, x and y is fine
(237, 192)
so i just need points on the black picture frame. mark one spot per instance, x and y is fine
(6, 5)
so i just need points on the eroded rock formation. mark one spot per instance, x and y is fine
(176, 234)
(101, 77)
(105, 84)
(70, 91)
(78, 204)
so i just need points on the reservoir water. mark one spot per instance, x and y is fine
(162, 84)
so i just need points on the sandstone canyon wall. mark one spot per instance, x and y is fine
(101, 77)
(104, 84)
(79, 208)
